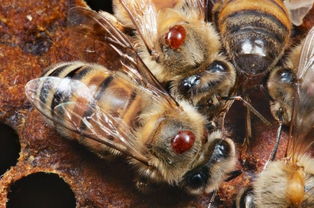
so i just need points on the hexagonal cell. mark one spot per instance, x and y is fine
(41, 190)
(9, 148)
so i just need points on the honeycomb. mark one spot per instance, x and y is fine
(38, 168)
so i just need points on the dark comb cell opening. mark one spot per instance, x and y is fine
(100, 5)
(41, 190)
(9, 148)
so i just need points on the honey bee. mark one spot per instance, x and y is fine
(181, 49)
(281, 88)
(289, 182)
(255, 34)
(125, 110)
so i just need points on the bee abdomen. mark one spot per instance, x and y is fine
(50, 97)
(112, 92)
(255, 32)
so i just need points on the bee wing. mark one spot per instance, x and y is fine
(307, 56)
(78, 111)
(303, 112)
(88, 37)
(132, 65)
(298, 9)
(143, 14)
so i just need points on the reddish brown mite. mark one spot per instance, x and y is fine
(176, 36)
(183, 141)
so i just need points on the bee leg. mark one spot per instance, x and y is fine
(212, 199)
(273, 153)
(248, 133)
(226, 110)
(250, 107)
(248, 129)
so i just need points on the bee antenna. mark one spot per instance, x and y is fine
(273, 154)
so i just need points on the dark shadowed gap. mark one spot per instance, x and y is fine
(9, 148)
(105, 5)
(41, 190)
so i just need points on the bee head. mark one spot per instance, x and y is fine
(281, 90)
(207, 176)
(184, 152)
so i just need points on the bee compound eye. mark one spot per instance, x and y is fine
(183, 141)
(187, 85)
(221, 150)
(217, 67)
(286, 76)
(190, 82)
(175, 37)
(197, 180)
(246, 199)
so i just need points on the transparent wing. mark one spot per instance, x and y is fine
(119, 43)
(143, 14)
(78, 111)
(89, 39)
(307, 56)
(298, 9)
(303, 113)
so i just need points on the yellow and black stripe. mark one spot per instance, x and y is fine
(254, 32)
(113, 92)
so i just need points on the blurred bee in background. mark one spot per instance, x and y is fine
(183, 50)
(281, 86)
(125, 110)
(289, 182)
(255, 35)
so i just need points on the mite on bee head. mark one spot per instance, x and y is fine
(125, 110)
(182, 49)
(289, 182)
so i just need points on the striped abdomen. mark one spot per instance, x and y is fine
(113, 93)
(254, 32)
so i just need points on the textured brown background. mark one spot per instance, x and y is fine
(33, 35)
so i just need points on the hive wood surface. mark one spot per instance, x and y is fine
(33, 36)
